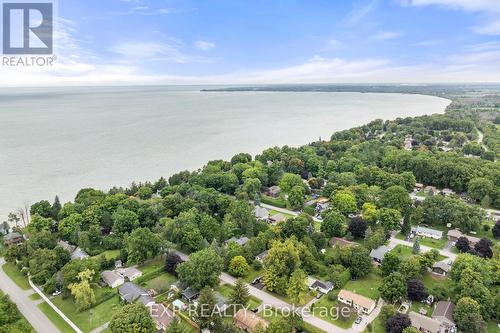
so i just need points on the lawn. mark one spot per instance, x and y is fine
(109, 254)
(275, 315)
(160, 283)
(416, 306)
(273, 212)
(55, 318)
(403, 251)
(152, 265)
(253, 274)
(35, 297)
(431, 281)
(307, 298)
(15, 275)
(226, 290)
(331, 311)
(367, 286)
(434, 243)
(492, 326)
(90, 319)
(376, 326)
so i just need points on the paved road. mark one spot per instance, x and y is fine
(28, 307)
(277, 303)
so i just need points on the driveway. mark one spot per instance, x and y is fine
(28, 307)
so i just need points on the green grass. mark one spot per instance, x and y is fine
(431, 281)
(434, 243)
(377, 326)
(275, 315)
(278, 202)
(35, 297)
(273, 212)
(110, 254)
(403, 251)
(307, 298)
(55, 318)
(416, 306)
(15, 275)
(492, 326)
(367, 286)
(330, 311)
(152, 265)
(253, 274)
(226, 290)
(160, 283)
(88, 320)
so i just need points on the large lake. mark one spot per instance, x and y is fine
(58, 140)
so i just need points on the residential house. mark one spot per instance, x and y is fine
(112, 279)
(67, 246)
(318, 285)
(131, 273)
(273, 191)
(340, 242)
(222, 302)
(441, 268)
(321, 205)
(455, 234)
(162, 316)
(79, 254)
(118, 264)
(378, 254)
(360, 303)
(419, 187)
(447, 192)
(426, 232)
(443, 312)
(431, 189)
(423, 323)
(240, 241)
(248, 321)
(260, 257)
(277, 218)
(13, 238)
(130, 292)
(189, 294)
(178, 304)
(261, 213)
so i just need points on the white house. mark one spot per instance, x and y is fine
(131, 273)
(427, 232)
(361, 303)
(112, 279)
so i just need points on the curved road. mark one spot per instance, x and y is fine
(28, 307)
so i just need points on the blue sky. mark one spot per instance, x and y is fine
(237, 41)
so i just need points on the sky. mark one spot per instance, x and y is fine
(101, 42)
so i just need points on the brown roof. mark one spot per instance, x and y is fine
(363, 301)
(444, 309)
(424, 323)
(161, 315)
(340, 242)
(249, 320)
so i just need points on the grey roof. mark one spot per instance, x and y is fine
(240, 241)
(424, 230)
(443, 310)
(67, 246)
(262, 255)
(146, 299)
(110, 277)
(379, 252)
(79, 254)
(130, 292)
(442, 265)
(424, 323)
(261, 212)
(189, 293)
(12, 236)
(323, 284)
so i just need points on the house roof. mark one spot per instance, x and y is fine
(323, 284)
(443, 310)
(424, 230)
(262, 255)
(110, 277)
(455, 233)
(240, 241)
(79, 254)
(261, 212)
(423, 322)
(130, 291)
(340, 242)
(250, 319)
(67, 246)
(129, 272)
(379, 252)
(442, 265)
(12, 236)
(162, 315)
(363, 301)
(189, 293)
(277, 217)
(146, 299)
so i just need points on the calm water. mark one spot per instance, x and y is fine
(56, 141)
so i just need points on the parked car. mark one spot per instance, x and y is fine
(56, 293)
(358, 320)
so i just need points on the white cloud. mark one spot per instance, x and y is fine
(359, 12)
(491, 28)
(385, 35)
(203, 45)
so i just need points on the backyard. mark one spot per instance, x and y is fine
(367, 286)
(332, 311)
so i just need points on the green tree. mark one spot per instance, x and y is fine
(344, 202)
(175, 326)
(333, 224)
(297, 287)
(132, 318)
(289, 181)
(389, 218)
(390, 263)
(202, 269)
(369, 212)
(410, 268)
(142, 244)
(207, 315)
(240, 294)
(467, 315)
(480, 187)
(416, 245)
(42, 208)
(393, 287)
(360, 262)
(82, 292)
(238, 266)
(69, 226)
(396, 197)
(296, 197)
(124, 220)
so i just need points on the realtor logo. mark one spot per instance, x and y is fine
(27, 27)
